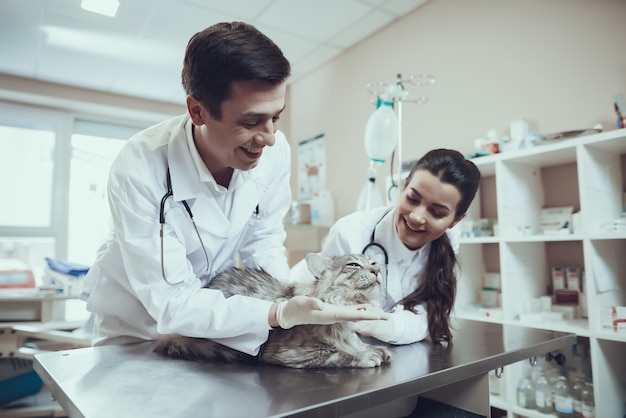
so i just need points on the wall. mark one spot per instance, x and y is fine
(553, 63)
(85, 103)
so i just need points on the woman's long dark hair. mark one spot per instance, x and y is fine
(437, 284)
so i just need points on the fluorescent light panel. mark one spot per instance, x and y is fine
(103, 7)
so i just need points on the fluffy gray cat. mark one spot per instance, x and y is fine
(342, 280)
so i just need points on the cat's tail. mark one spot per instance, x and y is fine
(197, 349)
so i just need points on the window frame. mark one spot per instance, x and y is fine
(63, 124)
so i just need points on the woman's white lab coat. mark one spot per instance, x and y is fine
(125, 289)
(350, 235)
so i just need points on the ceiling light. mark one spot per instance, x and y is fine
(103, 7)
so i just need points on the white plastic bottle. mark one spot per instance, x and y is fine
(323, 209)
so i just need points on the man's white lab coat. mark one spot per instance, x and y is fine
(125, 289)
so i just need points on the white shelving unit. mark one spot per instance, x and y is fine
(587, 173)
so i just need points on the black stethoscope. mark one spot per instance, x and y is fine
(380, 247)
(168, 194)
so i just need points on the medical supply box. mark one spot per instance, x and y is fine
(613, 318)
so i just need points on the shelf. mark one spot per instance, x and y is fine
(497, 402)
(610, 336)
(579, 327)
(529, 413)
(588, 174)
(480, 240)
(489, 315)
(544, 238)
(608, 236)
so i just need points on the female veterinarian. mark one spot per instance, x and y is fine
(417, 242)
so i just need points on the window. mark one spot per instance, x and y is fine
(94, 147)
(34, 167)
(54, 172)
(26, 165)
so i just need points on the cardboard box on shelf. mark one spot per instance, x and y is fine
(572, 277)
(556, 220)
(613, 318)
(567, 297)
(570, 312)
(558, 278)
(491, 280)
(489, 298)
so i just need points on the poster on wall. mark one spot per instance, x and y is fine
(311, 167)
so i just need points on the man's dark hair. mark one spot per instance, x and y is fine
(227, 52)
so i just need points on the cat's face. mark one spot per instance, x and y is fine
(347, 279)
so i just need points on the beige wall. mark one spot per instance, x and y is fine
(84, 102)
(554, 63)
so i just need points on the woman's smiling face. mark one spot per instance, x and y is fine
(425, 209)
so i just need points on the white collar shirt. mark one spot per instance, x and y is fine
(404, 264)
(224, 196)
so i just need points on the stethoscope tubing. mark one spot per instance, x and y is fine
(374, 244)
(169, 193)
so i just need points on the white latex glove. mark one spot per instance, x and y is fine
(388, 331)
(402, 327)
(302, 310)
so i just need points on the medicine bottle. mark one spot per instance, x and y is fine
(563, 402)
(526, 392)
(577, 390)
(543, 394)
(588, 405)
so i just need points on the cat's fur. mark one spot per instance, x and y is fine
(342, 280)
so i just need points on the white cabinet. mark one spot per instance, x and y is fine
(587, 174)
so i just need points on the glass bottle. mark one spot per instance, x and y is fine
(588, 405)
(526, 392)
(552, 374)
(543, 394)
(563, 402)
(577, 389)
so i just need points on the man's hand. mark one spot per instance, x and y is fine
(302, 310)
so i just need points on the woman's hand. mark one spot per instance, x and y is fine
(302, 310)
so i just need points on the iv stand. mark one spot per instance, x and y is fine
(397, 93)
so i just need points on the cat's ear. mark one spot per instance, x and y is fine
(317, 264)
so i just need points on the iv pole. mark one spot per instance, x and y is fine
(397, 94)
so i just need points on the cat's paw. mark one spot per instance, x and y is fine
(374, 357)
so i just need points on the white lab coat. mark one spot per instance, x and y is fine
(350, 235)
(125, 289)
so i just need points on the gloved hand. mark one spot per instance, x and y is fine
(387, 331)
(301, 310)
(402, 327)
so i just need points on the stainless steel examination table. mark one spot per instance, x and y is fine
(132, 381)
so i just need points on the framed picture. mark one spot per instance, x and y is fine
(311, 167)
